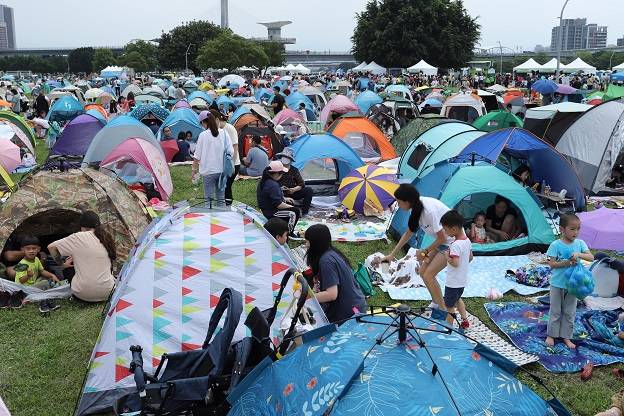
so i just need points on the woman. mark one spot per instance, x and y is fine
(522, 174)
(129, 103)
(500, 220)
(233, 136)
(425, 214)
(208, 157)
(337, 290)
(91, 252)
(271, 199)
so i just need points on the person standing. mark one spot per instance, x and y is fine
(233, 136)
(278, 100)
(42, 107)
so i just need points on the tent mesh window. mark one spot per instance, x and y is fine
(418, 155)
(364, 145)
(320, 170)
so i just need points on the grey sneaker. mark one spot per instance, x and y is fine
(52, 305)
(44, 306)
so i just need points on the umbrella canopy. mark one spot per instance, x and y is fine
(93, 93)
(544, 86)
(369, 182)
(565, 89)
(232, 79)
(170, 148)
(10, 157)
(603, 228)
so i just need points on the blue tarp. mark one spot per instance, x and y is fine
(311, 147)
(296, 98)
(182, 120)
(366, 99)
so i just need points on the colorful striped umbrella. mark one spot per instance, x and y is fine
(369, 182)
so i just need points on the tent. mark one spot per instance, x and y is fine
(154, 90)
(226, 103)
(181, 120)
(374, 68)
(528, 66)
(425, 143)
(232, 79)
(11, 131)
(364, 137)
(496, 120)
(551, 121)
(338, 105)
(619, 67)
(77, 136)
(415, 128)
(112, 72)
(593, 144)
(603, 229)
(464, 107)
(366, 99)
(249, 125)
(315, 95)
(400, 90)
(65, 108)
(169, 290)
(95, 113)
(324, 159)
(246, 109)
(181, 104)
(48, 204)
(490, 100)
(551, 66)
(515, 146)
(20, 123)
(144, 154)
(613, 92)
(295, 99)
(424, 68)
(190, 86)
(471, 189)
(285, 115)
(363, 65)
(132, 88)
(99, 109)
(199, 99)
(118, 130)
(300, 69)
(578, 65)
(148, 99)
(150, 111)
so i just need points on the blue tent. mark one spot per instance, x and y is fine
(312, 151)
(182, 120)
(264, 94)
(363, 83)
(446, 150)
(281, 84)
(200, 94)
(399, 89)
(239, 112)
(224, 102)
(93, 112)
(141, 111)
(65, 108)
(473, 188)
(617, 77)
(294, 100)
(366, 99)
(515, 146)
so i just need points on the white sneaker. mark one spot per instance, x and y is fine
(434, 305)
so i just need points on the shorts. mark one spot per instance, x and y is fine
(452, 295)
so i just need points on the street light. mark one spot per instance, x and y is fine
(560, 43)
(501, 57)
(186, 56)
(611, 61)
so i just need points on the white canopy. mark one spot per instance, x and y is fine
(302, 69)
(360, 67)
(619, 67)
(578, 65)
(375, 68)
(423, 67)
(551, 66)
(496, 88)
(528, 66)
(290, 67)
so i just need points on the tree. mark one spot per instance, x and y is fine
(274, 52)
(102, 58)
(81, 60)
(140, 55)
(192, 35)
(37, 64)
(230, 51)
(398, 33)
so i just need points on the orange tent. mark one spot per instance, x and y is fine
(97, 108)
(350, 126)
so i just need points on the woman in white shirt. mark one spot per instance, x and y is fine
(208, 157)
(425, 214)
(233, 136)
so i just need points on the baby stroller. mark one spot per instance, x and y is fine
(197, 382)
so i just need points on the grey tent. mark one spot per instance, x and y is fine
(551, 121)
(593, 144)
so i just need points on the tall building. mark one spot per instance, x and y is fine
(620, 41)
(274, 33)
(577, 34)
(224, 14)
(7, 28)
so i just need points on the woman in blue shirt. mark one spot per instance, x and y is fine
(271, 199)
(337, 291)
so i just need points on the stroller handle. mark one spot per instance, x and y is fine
(305, 289)
(278, 298)
(136, 367)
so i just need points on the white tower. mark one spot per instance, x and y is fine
(224, 14)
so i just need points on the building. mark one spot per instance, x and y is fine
(7, 28)
(274, 30)
(577, 34)
(224, 14)
(620, 41)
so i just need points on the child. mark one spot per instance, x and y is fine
(562, 254)
(278, 228)
(477, 229)
(458, 257)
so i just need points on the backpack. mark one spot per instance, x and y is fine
(362, 278)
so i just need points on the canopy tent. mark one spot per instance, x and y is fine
(619, 67)
(300, 69)
(374, 68)
(415, 128)
(528, 66)
(366, 99)
(117, 131)
(65, 108)
(417, 151)
(363, 65)
(593, 144)
(578, 65)
(145, 154)
(112, 72)
(473, 188)
(519, 146)
(364, 137)
(424, 68)
(169, 290)
(551, 66)
(181, 120)
(77, 136)
(338, 105)
(294, 101)
(496, 120)
(551, 121)
(463, 107)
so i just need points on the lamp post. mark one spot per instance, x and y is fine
(186, 56)
(501, 57)
(611, 61)
(560, 40)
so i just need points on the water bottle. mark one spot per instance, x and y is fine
(543, 188)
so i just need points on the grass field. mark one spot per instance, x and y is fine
(43, 360)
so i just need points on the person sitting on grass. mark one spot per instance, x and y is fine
(30, 272)
(257, 159)
(458, 258)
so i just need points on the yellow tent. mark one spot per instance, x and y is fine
(206, 86)
(7, 179)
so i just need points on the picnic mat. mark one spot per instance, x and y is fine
(359, 228)
(486, 272)
(594, 335)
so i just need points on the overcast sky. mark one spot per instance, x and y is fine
(320, 25)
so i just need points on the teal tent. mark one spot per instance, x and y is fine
(495, 120)
(415, 128)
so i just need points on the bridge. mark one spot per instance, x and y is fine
(494, 53)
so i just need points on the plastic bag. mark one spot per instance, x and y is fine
(580, 281)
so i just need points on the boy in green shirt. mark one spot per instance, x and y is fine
(29, 271)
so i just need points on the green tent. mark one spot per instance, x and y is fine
(415, 128)
(495, 120)
(20, 123)
(613, 92)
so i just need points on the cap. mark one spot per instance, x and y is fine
(280, 130)
(276, 167)
(203, 115)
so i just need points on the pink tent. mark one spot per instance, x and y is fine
(287, 114)
(339, 104)
(10, 157)
(143, 153)
(182, 104)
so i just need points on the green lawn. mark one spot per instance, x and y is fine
(43, 360)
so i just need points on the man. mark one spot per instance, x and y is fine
(257, 159)
(41, 104)
(292, 182)
(167, 134)
(278, 100)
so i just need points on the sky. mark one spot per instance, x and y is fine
(320, 26)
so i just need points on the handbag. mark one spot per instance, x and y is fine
(228, 166)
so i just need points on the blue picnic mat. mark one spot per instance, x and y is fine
(485, 272)
(594, 335)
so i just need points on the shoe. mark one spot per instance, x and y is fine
(44, 306)
(587, 372)
(465, 324)
(52, 305)
(17, 300)
(4, 299)
(434, 305)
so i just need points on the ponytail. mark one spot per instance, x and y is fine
(409, 193)
(107, 241)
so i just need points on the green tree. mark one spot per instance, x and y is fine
(230, 51)
(140, 55)
(274, 52)
(102, 58)
(81, 60)
(398, 33)
(192, 35)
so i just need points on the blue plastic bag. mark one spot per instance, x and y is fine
(580, 281)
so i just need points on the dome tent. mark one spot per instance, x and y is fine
(181, 120)
(77, 136)
(415, 128)
(364, 137)
(551, 121)
(496, 120)
(463, 107)
(472, 188)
